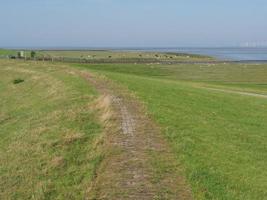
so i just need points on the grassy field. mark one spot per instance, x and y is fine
(5, 52)
(126, 55)
(108, 56)
(219, 137)
(49, 126)
(241, 77)
(48, 132)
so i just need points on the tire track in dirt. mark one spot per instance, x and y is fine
(237, 92)
(138, 163)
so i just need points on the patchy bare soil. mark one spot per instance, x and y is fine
(138, 163)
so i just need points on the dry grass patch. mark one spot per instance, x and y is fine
(47, 145)
(57, 161)
(103, 104)
(72, 137)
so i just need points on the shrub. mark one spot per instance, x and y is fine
(33, 54)
(17, 81)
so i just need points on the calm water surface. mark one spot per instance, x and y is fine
(235, 54)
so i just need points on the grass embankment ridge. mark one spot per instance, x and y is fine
(50, 132)
(219, 137)
(143, 167)
(50, 127)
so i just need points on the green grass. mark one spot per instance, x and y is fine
(49, 127)
(48, 131)
(108, 56)
(5, 52)
(243, 77)
(220, 138)
(10, 52)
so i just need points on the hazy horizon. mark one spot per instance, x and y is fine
(124, 48)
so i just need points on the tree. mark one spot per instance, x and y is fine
(19, 54)
(33, 54)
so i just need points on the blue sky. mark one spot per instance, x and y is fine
(135, 23)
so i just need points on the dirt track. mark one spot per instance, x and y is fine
(138, 162)
(237, 92)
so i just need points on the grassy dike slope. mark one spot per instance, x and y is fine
(219, 137)
(47, 132)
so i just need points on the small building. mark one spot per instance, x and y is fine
(21, 54)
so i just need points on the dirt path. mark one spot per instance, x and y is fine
(237, 92)
(138, 164)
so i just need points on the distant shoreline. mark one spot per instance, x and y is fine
(234, 54)
(59, 48)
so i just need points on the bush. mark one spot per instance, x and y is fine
(33, 54)
(17, 81)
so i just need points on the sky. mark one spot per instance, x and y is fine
(132, 23)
